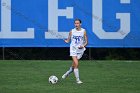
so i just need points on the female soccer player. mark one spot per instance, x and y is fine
(79, 40)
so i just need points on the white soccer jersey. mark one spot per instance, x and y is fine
(77, 39)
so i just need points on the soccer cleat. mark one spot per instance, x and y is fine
(79, 82)
(64, 76)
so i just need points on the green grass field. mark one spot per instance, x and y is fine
(98, 77)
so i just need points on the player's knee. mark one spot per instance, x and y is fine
(76, 65)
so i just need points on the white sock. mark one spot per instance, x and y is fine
(76, 73)
(69, 71)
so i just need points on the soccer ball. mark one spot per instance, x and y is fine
(53, 79)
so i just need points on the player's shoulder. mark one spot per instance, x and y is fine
(84, 30)
(74, 29)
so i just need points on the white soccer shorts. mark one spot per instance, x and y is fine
(77, 52)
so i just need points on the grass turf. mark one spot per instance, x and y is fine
(98, 77)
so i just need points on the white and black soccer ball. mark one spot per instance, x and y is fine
(53, 79)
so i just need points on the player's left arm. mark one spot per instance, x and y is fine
(86, 39)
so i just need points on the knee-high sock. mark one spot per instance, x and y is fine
(69, 71)
(76, 73)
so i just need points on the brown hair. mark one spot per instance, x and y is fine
(78, 20)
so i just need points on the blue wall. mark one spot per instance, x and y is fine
(45, 23)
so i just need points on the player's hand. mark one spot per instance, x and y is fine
(66, 41)
(80, 47)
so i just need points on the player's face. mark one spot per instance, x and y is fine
(77, 24)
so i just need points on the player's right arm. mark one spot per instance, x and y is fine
(69, 37)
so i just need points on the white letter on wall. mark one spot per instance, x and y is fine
(6, 32)
(53, 13)
(97, 28)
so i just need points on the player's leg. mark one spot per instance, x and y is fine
(76, 70)
(79, 55)
(71, 69)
